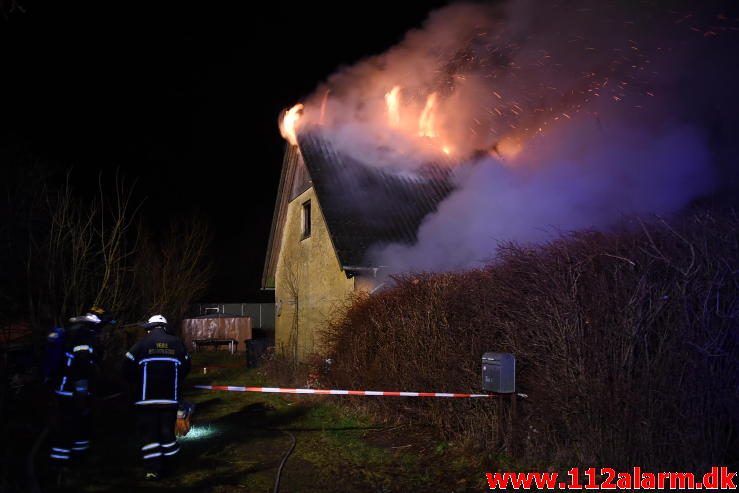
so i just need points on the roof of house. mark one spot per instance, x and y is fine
(363, 205)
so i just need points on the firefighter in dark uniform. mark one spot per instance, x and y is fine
(156, 366)
(71, 369)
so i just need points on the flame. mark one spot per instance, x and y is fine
(426, 122)
(509, 147)
(323, 105)
(289, 123)
(392, 99)
(446, 150)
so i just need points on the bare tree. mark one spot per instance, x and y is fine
(116, 245)
(8, 7)
(69, 251)
(174, 270)
(81, 252)
(74, 253)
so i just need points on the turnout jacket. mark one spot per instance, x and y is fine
(156, 366)
(71, 360)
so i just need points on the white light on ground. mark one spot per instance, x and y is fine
(200, 432)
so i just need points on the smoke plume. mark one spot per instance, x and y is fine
(555, 116)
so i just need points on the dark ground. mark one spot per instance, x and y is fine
(239, 439)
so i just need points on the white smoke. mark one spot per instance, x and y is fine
(621, 171)
(598, 96)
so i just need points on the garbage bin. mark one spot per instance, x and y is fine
(255, 349)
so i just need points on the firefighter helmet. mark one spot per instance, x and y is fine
(95, 315)
(86, 318)
(156, 321)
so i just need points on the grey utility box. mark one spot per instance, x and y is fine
(499, 373)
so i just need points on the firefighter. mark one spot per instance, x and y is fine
(71, 369)
(156, 366)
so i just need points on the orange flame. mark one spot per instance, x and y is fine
(323, 105)
(426, 122)
(509, 147)
(392, 99)
(289, 123)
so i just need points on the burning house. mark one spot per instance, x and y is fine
(491, 123)
(331, 209)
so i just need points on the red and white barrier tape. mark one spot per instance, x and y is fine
(278, 390)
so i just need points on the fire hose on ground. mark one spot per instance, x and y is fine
(284, 460)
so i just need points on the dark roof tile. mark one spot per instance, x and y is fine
(364, 205)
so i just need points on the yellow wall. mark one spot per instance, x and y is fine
(308, 279)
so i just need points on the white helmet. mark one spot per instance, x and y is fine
(158, 319)
(88, 317)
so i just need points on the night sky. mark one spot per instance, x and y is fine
(184, 97)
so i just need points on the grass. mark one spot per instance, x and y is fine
(238, 440)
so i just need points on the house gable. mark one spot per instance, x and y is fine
(310, 285)
(363, 206)
(290, 177)
(295, 180)
(313, 268)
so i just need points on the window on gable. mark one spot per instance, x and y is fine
(306, 220)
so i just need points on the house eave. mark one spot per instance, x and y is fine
(275, 235)
(354, 270)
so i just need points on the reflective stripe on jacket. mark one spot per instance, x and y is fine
(157, 366)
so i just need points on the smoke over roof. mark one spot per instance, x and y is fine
(557, 115)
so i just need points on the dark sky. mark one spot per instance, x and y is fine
(184, 97)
